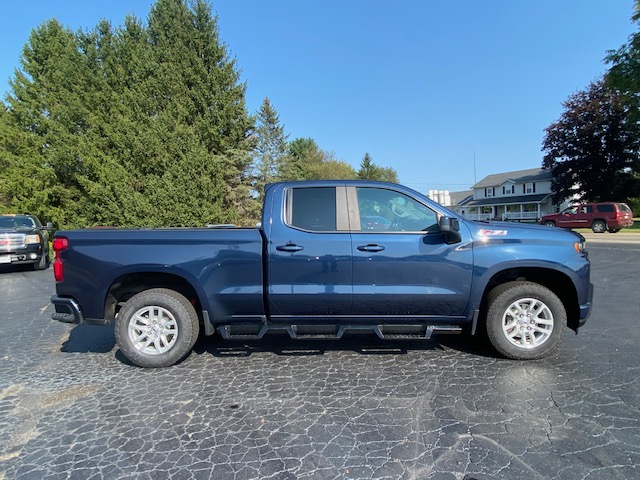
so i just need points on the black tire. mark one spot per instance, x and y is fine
(614, 230)
(599, 226)
(42, 263)
(549, 223)
(525, 336)
(169, 336)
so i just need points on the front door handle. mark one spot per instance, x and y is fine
(289, 247)
(371, 248)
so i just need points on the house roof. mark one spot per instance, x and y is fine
(519, 176)
(483, 202)
(460, 198)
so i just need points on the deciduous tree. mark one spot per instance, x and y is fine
(593, 148)
(624, 74)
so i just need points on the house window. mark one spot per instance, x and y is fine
(529, 188)
(488, 192)
(508, 190)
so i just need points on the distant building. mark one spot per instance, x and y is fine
(523, 195)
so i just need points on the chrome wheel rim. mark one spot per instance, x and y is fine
(527, 323)
(153, 330)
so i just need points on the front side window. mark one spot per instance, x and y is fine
(389, 211)
(313, 209)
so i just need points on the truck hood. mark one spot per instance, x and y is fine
(521, 231)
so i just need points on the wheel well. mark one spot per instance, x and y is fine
(556, 281)
(603, 220)
(127, 286)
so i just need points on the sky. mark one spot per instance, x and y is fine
(445, 92)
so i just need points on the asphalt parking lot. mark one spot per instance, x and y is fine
(71, 407)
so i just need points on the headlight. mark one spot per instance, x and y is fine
(33, 238)
(579, 246)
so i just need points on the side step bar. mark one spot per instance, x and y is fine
(255, 332)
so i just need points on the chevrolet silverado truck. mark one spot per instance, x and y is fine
(24, 240)
(319, 267)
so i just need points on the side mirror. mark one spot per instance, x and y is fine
(49, 226)
(451, 229)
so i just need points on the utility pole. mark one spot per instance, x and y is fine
(475, 179)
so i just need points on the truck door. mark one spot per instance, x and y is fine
(402, 266)
(309, 253)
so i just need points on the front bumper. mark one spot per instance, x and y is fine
(31, 254)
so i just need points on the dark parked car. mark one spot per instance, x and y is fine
(23, 240)
(600, 217)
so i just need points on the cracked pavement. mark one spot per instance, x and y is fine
(72, 407)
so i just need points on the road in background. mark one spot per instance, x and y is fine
(448, 408)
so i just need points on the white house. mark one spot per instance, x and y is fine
(523, 195)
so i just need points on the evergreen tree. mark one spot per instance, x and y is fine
(45, 111)
(139, 125)
(271, 146)
(371, 171)
(368, 171)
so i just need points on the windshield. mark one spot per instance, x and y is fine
(16, 222)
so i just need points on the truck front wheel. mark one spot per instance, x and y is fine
(525, 320)
(156, 328)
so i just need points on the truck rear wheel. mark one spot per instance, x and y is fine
(525, 320)
(156, 328)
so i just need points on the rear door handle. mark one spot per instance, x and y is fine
(289, 248)
(371, 248)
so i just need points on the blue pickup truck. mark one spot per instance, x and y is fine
(330, 258)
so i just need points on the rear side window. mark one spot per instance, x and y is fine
(313, 209)
(623, 207)
(606, 208)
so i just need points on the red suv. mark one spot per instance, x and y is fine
(597, 216)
